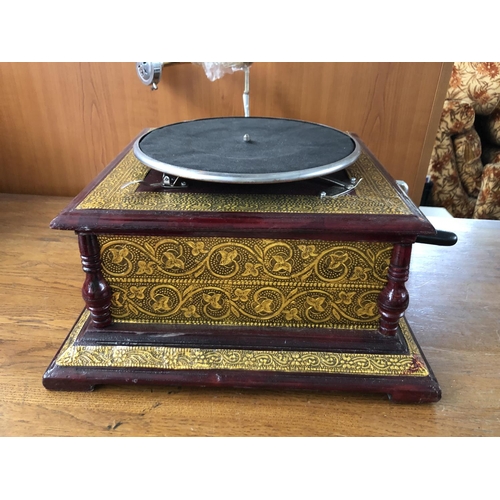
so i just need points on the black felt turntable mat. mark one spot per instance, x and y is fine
(276, 145)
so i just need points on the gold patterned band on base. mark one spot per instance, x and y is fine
(375, 195)
(182, 358)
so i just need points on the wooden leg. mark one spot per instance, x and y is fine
(96, 292)
(393, 299)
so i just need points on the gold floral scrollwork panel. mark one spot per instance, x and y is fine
(374, 195)
(245, 281)
(174, 358)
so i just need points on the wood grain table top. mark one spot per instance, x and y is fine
(454, 312)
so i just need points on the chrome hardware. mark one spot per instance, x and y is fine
(335, 192)
(168, 182)
(403, 186)
(150, 73)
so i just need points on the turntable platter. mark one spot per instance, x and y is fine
(246, 150)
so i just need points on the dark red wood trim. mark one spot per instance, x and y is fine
(228, 337)
(394, 298)
(398, 389)
(95, 291)
(232, 223)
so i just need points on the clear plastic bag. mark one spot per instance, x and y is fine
(216, 70)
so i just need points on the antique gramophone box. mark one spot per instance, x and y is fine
(245, 252)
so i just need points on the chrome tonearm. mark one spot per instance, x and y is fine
(150, 73)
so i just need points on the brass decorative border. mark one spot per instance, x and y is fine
(174, 358)
(375, 195)
(244, 281)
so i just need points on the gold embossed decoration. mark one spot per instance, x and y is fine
(173, 358)
(245, 281)
(374, 195)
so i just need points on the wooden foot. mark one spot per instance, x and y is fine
(53, 382)
(429, 395)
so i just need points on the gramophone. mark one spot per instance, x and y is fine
(245, 252)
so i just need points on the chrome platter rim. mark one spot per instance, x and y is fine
(246, 178)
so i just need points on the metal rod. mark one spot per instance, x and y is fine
(354, 182)
(246, 92)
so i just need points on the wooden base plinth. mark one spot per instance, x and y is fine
(141, 355)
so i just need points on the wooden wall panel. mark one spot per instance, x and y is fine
(62, 123)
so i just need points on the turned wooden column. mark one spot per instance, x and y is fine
(393, 299)
(96, 292)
